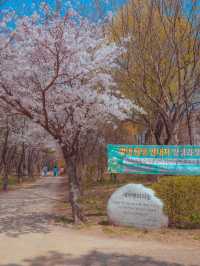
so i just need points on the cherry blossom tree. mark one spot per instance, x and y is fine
(57, 72)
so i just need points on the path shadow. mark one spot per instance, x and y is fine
(30, 209)
(15, 225)
(94, 258)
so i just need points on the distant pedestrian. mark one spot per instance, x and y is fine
(61, 171)
(55, 171)
(45, 170)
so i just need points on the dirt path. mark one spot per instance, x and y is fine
(28, 237)
(29, 209)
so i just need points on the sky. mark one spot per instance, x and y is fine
(85, 7)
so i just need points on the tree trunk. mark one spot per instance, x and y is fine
(30, 162)
(20, 172)
(174, 140)
(5, 179)
(74, 188)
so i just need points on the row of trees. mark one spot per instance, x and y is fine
(56, 72)
(70, 76)
(23, 149)
(161, 67)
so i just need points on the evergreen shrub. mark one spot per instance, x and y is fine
(181, 198)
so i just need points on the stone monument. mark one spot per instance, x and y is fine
(137, 206)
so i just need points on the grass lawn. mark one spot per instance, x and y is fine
(94, 202)
(96, 195)
(13, 182)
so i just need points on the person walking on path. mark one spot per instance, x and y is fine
(45, 170)
(55, 170)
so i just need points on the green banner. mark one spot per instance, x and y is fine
(154, 159)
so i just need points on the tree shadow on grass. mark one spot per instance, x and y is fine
(94, 258)
(104, 222)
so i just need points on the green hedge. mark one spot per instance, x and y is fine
(12, 180)
(181, 197)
